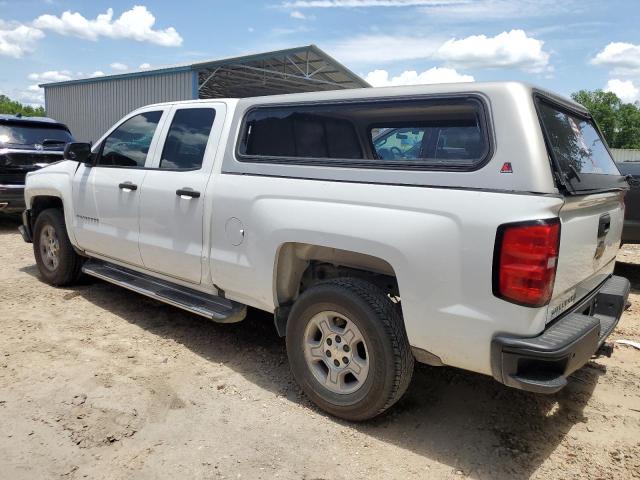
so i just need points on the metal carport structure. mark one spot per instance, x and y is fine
(90, 106)
(304, 69)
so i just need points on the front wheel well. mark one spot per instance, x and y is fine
(42, 203)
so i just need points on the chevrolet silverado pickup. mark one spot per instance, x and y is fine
(470, 225)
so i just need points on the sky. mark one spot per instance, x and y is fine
(562, 45)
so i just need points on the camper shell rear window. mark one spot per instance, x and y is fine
(577, 149)
(430, 134)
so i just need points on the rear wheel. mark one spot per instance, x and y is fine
(348, 348)
(57, 261)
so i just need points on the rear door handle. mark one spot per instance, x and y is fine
(187, 193)
(128, 186)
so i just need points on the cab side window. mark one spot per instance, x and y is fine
(398, 143)
(187, 139)
(128, 145)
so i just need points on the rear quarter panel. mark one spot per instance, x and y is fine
(439, 242)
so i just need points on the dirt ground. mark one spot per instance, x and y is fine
(98, 382)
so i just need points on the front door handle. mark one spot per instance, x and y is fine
(128, 186)
(187, 193)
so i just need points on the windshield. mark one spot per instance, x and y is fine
(578, 149)
(34, 135)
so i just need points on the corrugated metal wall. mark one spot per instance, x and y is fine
(90, 108)
(625, 155)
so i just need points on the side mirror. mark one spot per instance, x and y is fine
(78, 152)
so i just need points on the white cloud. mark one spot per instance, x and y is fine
(144, 66)
(513, 49)
(135, 24)
(16, 39)
(51, 76)
(374, 49)
(478, 10)
(121, 67)
(32, 96)
(365, 3)
(624, 89)
(59, 76)
(467, 10)
(623, 57)
(298, 15)
(380, 78)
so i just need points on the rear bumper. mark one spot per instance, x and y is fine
(542, 364)
(11, 198)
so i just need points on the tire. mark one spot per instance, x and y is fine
(57, 261)
(356, 310)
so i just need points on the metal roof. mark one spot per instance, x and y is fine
(300, 69)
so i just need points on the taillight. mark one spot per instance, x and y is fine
(525, 260)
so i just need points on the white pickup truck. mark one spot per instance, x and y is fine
(472, 225)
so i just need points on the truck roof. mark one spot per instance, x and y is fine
(400, 91)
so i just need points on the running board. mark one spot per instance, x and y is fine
(213, 307)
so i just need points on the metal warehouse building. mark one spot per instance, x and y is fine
(90, 106)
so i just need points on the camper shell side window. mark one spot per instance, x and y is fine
(429, 134)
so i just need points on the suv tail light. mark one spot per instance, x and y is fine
(525, 261)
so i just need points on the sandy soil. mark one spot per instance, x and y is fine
(98, 382)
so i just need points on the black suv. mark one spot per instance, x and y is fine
(631, 230)
(26, 144)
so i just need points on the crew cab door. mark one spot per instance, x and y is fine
(173, 194)
(106, 196)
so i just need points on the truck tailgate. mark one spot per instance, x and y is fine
(591, 228)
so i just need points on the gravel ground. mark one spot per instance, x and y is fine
(98, 382)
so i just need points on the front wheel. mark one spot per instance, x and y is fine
(57, 261)
(348, 348)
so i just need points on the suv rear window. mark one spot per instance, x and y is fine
(577, 148)
(420, 133)
(29, 134)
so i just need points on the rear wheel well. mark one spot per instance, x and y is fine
(300, 266)
(318, 271)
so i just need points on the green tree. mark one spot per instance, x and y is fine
(604, 107)
(619, 122)
(13, 107)
(628, 133)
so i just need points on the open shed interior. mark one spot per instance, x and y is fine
(296, 70)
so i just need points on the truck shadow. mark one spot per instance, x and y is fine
(464, 420)
(9, 223)
(631, 271)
